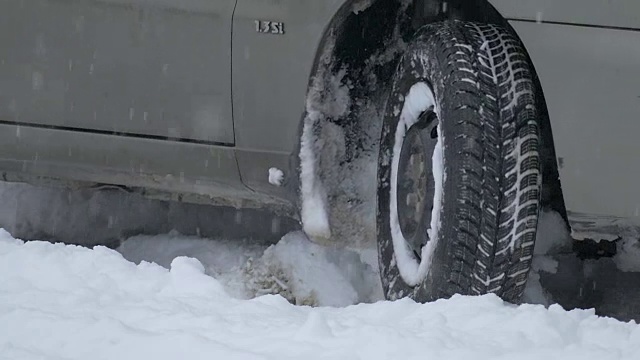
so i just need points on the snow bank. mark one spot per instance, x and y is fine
(69, 302)
(299, 270)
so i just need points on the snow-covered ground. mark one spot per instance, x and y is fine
(69, 302)
(175, 296)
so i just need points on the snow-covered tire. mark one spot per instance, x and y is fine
(477, 228)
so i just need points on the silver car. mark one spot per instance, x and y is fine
(440, 128)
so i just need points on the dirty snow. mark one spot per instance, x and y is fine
(552, 238)
(315, 219)
(327, 98)
(69, 302)
(301, 271)
(552, 234)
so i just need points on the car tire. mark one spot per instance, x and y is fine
(459, 178)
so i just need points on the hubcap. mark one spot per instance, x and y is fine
(416, 185)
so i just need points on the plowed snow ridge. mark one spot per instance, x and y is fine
(68, 302)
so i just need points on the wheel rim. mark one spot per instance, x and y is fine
(416, 189)
(416, 185)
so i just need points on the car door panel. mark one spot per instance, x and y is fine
(271, 71)
(178, 171)
(589, 77)
(605, 13)
(155, 68)
(270, 80)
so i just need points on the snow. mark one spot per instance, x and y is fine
(439, 177)
(315, 219)
(236, 300)
(69, 302)
(323, 276)
(326, 99)
(552, 238)
(628, 257)
(593, 235)
(276, 176)
(301, 271)
(361, 5)
(552, 234)
(419, 99)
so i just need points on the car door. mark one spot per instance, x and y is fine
(274, 47)
(586, 53)
(157, 69)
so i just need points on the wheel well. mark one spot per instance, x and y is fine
(359, 52)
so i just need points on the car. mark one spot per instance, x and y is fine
(440, 129)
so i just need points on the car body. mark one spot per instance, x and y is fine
(198, 100)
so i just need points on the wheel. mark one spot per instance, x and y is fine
(459, 177)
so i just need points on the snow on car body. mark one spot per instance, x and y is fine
(202, 101)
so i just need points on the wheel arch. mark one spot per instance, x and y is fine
(360, 48)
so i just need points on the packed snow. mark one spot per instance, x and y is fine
(276, 176)
(68, 302)
(327, 98)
